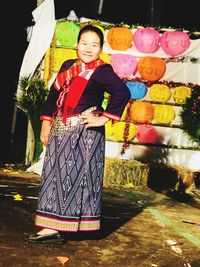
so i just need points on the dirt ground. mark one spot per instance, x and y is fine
(139, 228)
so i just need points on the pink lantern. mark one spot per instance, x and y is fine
(146, 133)
(174, 43)
(146, 40)
(123, 65)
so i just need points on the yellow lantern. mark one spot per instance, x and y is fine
(124, 114)
(60, 55)
(164, 114)
(105, 57)
(100, 27)
(108, 130)
(181, 93)
(118, 131)
(159, 92)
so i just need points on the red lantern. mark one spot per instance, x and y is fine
(146, 133)
(151, 68)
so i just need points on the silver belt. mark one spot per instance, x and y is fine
(59, 128)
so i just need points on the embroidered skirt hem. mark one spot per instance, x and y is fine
(67, 225)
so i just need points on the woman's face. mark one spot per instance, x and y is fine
(88, 48)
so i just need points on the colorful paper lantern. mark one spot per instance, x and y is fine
(141, 112)
(118, 131)
(66, 33)
(123, 65)
(138, 90)
(181, 93)
(59, 55)
(159, 92)
(164, 114)
(104, 103)
(108, 130)
(146, 40)
(105, 57)
(120, 38)
(146, 133)
(124, 115)
(174, 43)
(151, 68)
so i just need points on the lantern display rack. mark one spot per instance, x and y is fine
(140, 56)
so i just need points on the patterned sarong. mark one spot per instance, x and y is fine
(71, 185)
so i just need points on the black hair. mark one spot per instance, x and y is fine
(92, 28)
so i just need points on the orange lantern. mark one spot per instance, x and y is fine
(151, 68)
(120, 38)
(141, 112)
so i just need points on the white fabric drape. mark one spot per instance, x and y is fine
(41, 37)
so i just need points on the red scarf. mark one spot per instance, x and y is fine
(71, 93)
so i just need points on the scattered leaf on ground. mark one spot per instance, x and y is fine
(17, 197)
(63, 260)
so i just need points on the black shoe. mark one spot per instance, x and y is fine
(50, 239)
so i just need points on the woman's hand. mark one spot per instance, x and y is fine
(45, 130)
(94, 121)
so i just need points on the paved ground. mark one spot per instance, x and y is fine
(140, 228)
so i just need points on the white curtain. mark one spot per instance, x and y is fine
(40, 39)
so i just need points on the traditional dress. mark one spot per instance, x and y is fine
(71, 183)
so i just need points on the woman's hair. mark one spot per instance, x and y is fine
(91, 28)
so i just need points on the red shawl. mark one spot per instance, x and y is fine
(72, 92)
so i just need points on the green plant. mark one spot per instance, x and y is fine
(31, 96)
(190, 115)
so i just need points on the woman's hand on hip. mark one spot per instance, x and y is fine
(94, 121)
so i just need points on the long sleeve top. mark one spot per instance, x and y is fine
(104, 79)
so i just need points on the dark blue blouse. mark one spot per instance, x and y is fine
(104, 79)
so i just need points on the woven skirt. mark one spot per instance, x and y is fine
(71, 184)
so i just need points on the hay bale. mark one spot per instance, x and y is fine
(125, 173)
(157, 176)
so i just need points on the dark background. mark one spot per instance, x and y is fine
(15, 17)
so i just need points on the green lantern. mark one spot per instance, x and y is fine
(66, 33)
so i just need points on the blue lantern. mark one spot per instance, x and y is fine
(138, 90)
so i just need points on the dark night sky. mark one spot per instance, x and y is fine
(16, 16)
(168, 13)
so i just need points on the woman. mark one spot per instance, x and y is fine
(74, 135)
